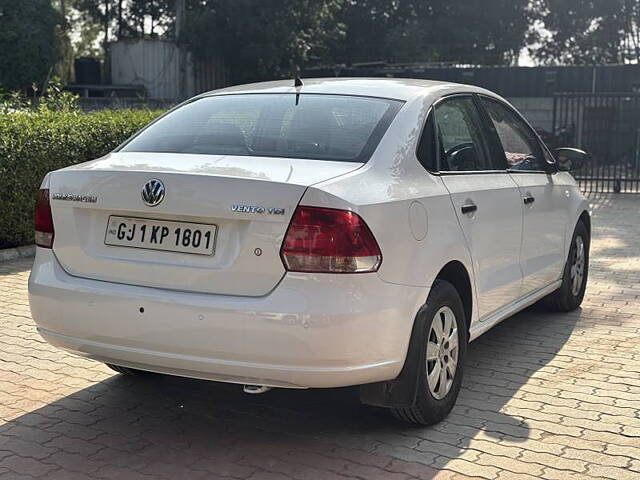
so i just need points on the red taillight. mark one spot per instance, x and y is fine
(325, 240)
(43, 220)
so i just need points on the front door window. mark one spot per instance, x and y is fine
(521, 147)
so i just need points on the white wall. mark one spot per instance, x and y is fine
(538, 110)
(157, 65)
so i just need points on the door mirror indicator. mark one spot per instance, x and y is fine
(571, 159)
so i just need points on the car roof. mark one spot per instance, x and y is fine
(395, 88)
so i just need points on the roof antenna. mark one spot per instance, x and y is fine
(297, 82)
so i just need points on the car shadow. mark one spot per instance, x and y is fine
(178, 427)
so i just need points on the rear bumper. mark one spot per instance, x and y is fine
(311, 331)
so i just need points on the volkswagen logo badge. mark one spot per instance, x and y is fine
(153, 192)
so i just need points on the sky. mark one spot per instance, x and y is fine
(525, 60)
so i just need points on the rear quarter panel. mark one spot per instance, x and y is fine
(408, 209)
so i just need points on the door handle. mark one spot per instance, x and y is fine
(528, 200)
(468, 208)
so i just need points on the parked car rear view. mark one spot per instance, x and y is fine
(343, 232)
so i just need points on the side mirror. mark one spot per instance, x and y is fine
(570, 159)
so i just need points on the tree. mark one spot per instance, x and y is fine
(409, 31)
(260, 39)
(486, 33)
(368, 26)
(28, 42)
(579, 32)
(86, 42)
(121, 19)
(158, 14)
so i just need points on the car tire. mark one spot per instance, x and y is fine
(126, 370)
(574, 278)
(440, 320)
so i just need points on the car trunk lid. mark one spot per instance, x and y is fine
(250, 200)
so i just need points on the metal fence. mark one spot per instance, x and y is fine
(607, 126)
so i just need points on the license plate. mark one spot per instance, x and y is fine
(182, 237)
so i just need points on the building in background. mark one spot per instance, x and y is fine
(166, 71)
(530, 89)
(144, 72)
(596, 108)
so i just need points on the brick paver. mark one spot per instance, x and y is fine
(545, 396)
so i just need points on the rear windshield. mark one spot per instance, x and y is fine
(314, 126)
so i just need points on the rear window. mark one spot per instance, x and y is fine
(314, 126)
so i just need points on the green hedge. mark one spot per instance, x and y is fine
(34, 143)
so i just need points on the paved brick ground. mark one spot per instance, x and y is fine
(545, 396)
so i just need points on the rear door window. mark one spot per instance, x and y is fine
(314, 126)
(460, 136)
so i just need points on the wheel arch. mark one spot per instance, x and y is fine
(586, 219)
(457, 275)
(580, 215)
(401, 391)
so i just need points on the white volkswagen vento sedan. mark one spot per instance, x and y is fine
(343, 232)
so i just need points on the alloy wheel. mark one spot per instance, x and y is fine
(442, 352)
(577, 268)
